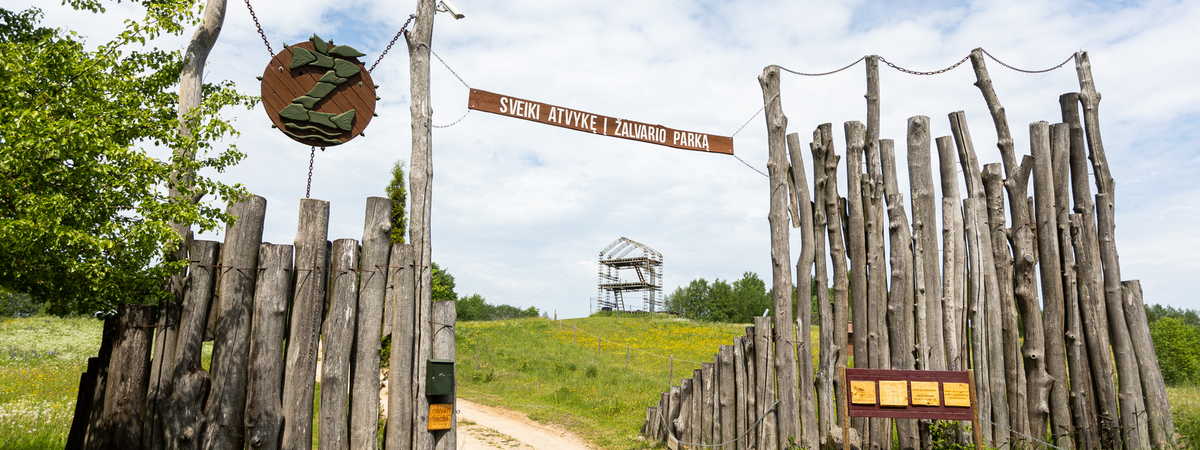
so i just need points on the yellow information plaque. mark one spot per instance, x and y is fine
(862, 392)
(440, 417)
(957, 394)
(925, 393)
(893, 393)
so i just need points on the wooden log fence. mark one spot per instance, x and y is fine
(265, 304)
(1024, 291)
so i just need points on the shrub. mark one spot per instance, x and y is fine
(1178, 347)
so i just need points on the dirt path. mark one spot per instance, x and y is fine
(490, 428)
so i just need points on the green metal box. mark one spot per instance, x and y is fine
(439, 377)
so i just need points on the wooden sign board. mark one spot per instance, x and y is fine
(441, 417)
(596, 124)
(318, 93)
(909, 394)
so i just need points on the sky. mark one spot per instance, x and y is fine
(521, 210)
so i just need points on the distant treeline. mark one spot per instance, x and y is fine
(476, 307)
(720, 301)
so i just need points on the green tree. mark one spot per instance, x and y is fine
(84, 208)
(474, 307)
(691, 301)
(399, 195)
(751, 297)
(1177, 345)
(443, 285)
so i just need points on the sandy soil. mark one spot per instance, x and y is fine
(491, 428)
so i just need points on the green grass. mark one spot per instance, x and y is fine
(530, 366)
(1185, 409)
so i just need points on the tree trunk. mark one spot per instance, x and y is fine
(785, 356)
(803, 305)
(739, 391)
(337, 343)
(1054, 315)
(928, 288)
(183, 412)
(708, 407)
(376, 243)
(128, 377)
(837, 254)
(401, 396)
(227, 401)
(954, 261)
(877, 337)
(828, 357)
(726, 396)
(1162, 427)
(264, 415)
(900, 301)
(1091, 301)
(1082, 397)
(304, 326)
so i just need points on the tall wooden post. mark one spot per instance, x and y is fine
(785, 356)
(1054, 316)
(803, 309)
(825, 373)
(304, 329)
(900, 301)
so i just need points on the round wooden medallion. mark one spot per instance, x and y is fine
(318, 94)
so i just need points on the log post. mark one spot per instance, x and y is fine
(163, 362)
(444, 316)
(856, 241)
(183, 412)
(749, 390)
(337, 343)
(741, 405)
(928, 288)
(1082, 397)
(708, 412)
(877, 278)
(227, 401)
(96, 434)
(401, 396)
(683, 419)
(727, 396)
(1162, 427)
(1091, 298)
(364, 402)
(803, 306)
(264, 412)
(304, 326)
(954, 258)
(900, 302)
(128, 377)
(1130, 394)
(1054, 315)
(828, 357)
(837, 254)
(697, 415)
(785, 356)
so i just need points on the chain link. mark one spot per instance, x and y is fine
(390, 44)
(439, 58)
(935, 72)
(825, 73)
(464, 116)
(311, 157)
(260, 31)
(1029, 71)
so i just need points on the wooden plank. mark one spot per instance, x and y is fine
(264, 410)
(183, 421)
(337, 343)
(128, 377)
(304, 326)
(597, 124)
(442, 330)
(373, 262)
(226, 408)
(400, 387)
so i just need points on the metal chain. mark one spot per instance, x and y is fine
(935, 72)
(464, 116)
(390, 44)
(439, 58)
(260, 31)
(760, 110)
(1029, 71)
(311, 157)
(825, 73)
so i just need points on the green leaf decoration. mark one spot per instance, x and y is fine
(321, 90)
(318, 137)
(295, 112)
(301, 56)
(344, 120)
(322, 61)
(345, 69)
(306, 101)
(319, 44)
(321, 118)
(332, 78)
(293, 126)
(346, 51)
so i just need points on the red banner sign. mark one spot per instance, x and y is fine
(597, 124)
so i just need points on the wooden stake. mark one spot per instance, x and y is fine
(337, 342)
(1054, 315)
(1162, 427)
(802, 308)
(401, 389)
(264, 415)
(900, 301)
(376, 244)
(928, 288)
(304, 326)
(183, 413)
(828, 351)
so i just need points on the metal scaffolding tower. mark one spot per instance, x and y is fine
(648, 266)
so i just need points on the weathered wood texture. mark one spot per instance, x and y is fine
(1053, 303)
(264, 408)
(828, 355)
(226, 406)
(372, 266)
(763, 375)
(877, 278)
(337, 341)
(442, 333)
(183, 415)
(710, 415)
(837, 255)
(1162, 427)
(954, 257)
(726, 396)
(739, 392)
(128, 377)
(96, 436)
(401, 392)
(304, 326)
(781, 285)
(900, 321)
(162, 363)
(804, 266)
(928, 288)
